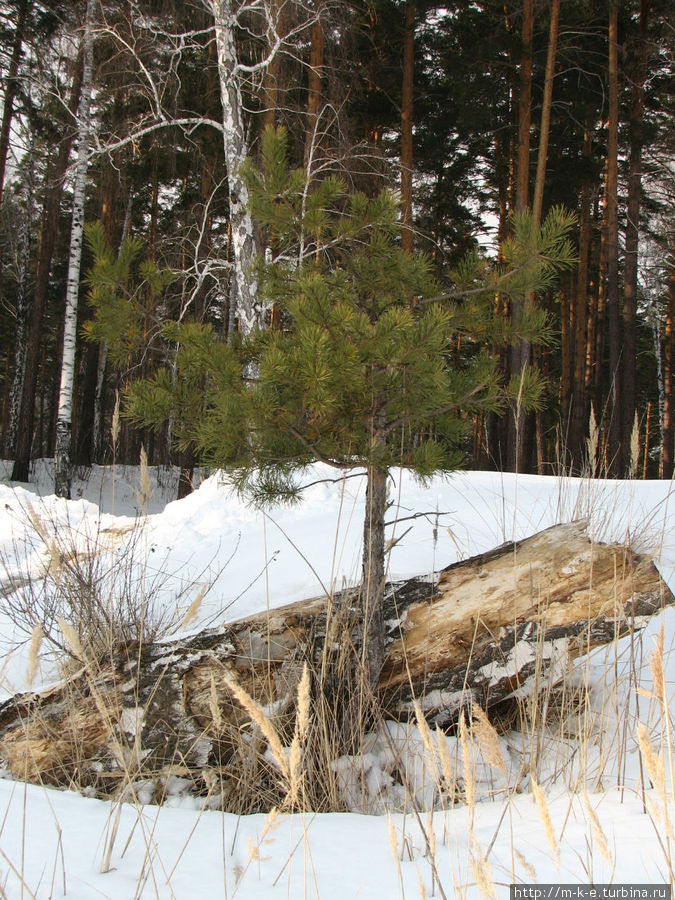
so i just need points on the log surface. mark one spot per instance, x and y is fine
(481, 630)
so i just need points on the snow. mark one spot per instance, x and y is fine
(59, 843)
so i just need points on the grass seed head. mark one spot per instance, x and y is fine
(545, 817)
(488, 739)
(34, 653)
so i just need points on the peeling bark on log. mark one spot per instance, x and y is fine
(484, 629)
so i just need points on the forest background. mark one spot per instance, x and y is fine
(125, 126)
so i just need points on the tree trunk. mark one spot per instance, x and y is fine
(373, 574)
(11, 89)
(271, 79)
(630, 278)
(519, 354)
(668, 448)
(546, 113)
(525, 108)
(616, 458)
(601, 312)
(581, 320)
(22, 313)
(245, 308)
(48, 234)
(565, 354)
(539, 182)
(316, 62)
(63, 466)
(407, 158)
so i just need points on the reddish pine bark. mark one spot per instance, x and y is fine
(616, 458)
(628, 370)
(407, 127)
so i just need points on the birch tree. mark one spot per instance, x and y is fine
(63, 468)
(246, 309)
(244, 304)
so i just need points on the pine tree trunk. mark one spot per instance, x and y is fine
(546, 113)
(271, 79)
(11, 89)
(581, 320)
(372, 588)
(48, 234)
(98, 449)
(615, 455)
(565, 353)
(407, 158)
(525, 108)
(601, 316)
(668, 448)
(630, 278)
(519, 355)
(246, 310)
(316, 62)
(593, 303)
(539, 182)
(22, 314)
(62, 452)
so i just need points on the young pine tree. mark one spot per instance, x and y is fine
(368, 354)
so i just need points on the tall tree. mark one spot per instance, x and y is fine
(246, 310)
(63, 466)
(315, 78)
(519, 357)
(407, 127)
(544, 128)
(630, 277)
(11, 86)
(615, 453)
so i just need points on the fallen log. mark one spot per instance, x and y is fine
(481, 631)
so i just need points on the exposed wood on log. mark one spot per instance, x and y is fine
(482, 629)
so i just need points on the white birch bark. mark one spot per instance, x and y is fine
(63, 468)
(244, 304)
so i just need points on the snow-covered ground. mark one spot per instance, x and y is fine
(56, 844)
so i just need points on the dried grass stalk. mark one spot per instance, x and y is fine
(598, 833)
(264, 724)
(36, 638)
(488, 739)
(545, 817)
(194, 607)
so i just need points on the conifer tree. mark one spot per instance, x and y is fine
(370, 352)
